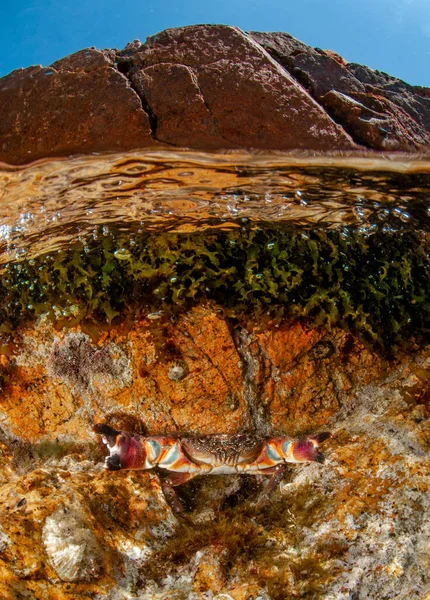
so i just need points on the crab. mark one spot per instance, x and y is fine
(184, 458)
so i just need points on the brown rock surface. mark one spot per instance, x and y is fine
(228, 70)
(169, 378)
(354, 526)
(79, 104)
(208, 87)
(377, 110)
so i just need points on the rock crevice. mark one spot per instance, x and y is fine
(124, 68)
(208, 87)
(377, 110)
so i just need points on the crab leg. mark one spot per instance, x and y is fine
(134, 452)
(275, 480)
(171, 496)
(167, 486)
(177, 478)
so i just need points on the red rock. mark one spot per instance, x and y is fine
(378, 111)
(79, 104)
(208, 87)
(85, 102)
(182, 117)
(241, 95)
(375, 121)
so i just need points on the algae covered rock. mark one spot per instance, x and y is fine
(375, 286)
(356, 523)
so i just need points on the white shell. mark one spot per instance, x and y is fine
(72, 549)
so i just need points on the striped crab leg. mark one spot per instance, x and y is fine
(133, 452)
(290, 451)
(281, 450)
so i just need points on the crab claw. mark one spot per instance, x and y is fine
(306, 450)
(127, 451)
(321, 437)
(110, 437)
(113, 462)
(104, 429)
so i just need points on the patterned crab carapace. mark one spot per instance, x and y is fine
(186, 457)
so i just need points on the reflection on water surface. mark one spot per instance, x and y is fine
(46, 205)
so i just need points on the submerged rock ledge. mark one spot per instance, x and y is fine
(208, 87)
(374, 286)
(354, 527)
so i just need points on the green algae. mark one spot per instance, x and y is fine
(27, 456)
(376, 286)
(255, 542)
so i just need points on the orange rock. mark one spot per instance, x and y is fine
(359, 517)
(63, 382)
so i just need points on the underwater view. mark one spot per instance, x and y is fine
(190, 294)
(337, 241)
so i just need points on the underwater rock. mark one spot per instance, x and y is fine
(72, 549)
(4, 541)
(177, 371)
(149, 372)
(356, 527)
(208, 87)
(75, 361)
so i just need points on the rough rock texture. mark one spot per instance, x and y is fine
(378, 111)
(356, 527)
(76, 382)
(80, 104)
(211, 72)
(208, 87)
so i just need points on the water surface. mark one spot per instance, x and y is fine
(47, 205)
(333, 239)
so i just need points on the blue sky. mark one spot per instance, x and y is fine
(389, 35)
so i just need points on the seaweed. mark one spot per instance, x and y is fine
(264, 542)
(375, 286)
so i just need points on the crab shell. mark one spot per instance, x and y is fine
(214, 454)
